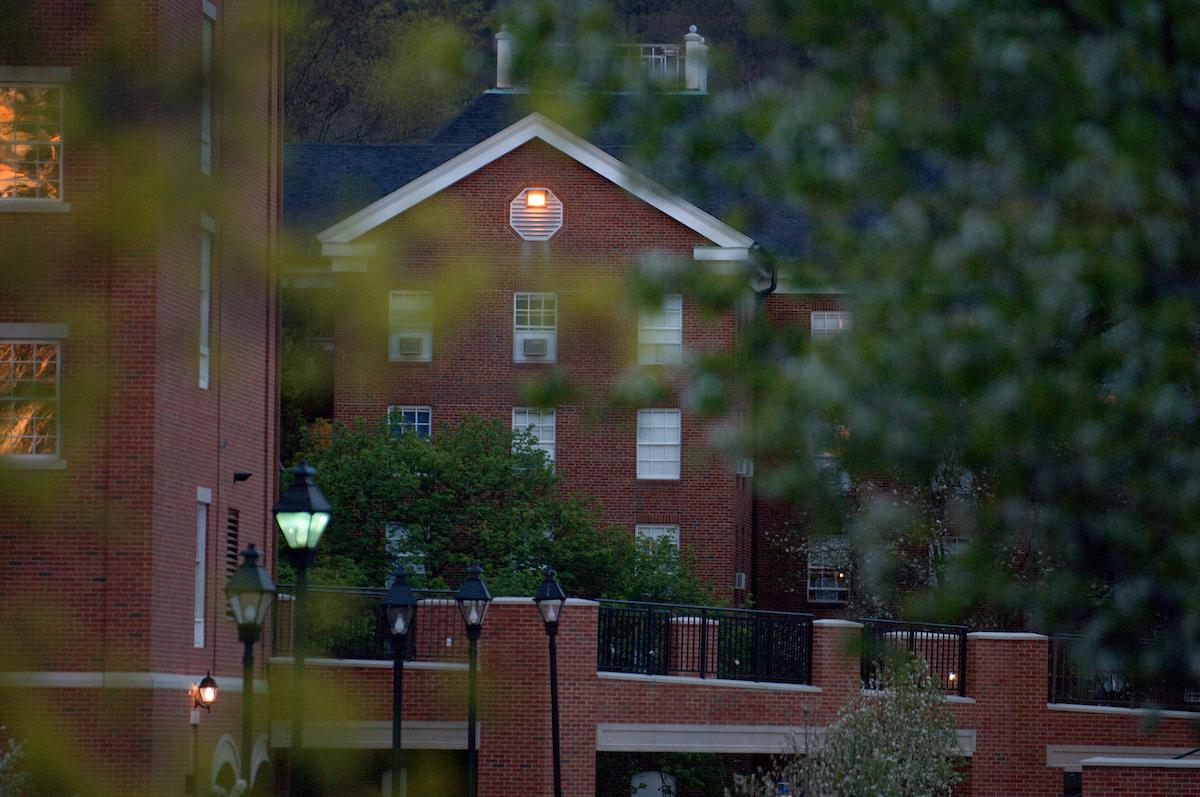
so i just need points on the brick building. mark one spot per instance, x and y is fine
(139, 206)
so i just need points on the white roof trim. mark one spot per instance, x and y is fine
(533, 126)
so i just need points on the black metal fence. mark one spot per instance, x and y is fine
(705, 642)
(1072, 680)
(943, 648)
(350, 623)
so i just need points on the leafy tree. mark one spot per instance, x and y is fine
(475, 492)
(898, 742)
(1008, 192)
(13, 781)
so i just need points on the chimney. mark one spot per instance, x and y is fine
(695, 61)
(504, 58)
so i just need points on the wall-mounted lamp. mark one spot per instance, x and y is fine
(535, 199)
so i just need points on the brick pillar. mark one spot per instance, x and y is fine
(1006, 675)
(514, 700)
(836, 667)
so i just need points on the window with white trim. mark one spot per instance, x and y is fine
(207, 28)
(410, 326)
(826, 324)
(828, 571)
(539, 423)
(410, 419)
(660, 333)
(535, 327)
(206, 255)
(401, 548)
(29, 399)
(653, 532)
(203, 499)
(658, 444)
(31, 141)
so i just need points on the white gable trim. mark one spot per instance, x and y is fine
(533, 126)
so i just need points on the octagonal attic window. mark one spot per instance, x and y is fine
(536, 214)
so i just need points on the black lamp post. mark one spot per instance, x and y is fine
(473, 599)
(204, 694)
(250, 591)
(550, 600)
(401, 606)
(302, 513)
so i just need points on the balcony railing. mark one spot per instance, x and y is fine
(943, 648)
(350, 623)
(705, 642)
(1081, 682)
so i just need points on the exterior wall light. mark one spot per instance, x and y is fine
(535, 199)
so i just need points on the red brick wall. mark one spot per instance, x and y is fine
(1140, 781)
(459, 245)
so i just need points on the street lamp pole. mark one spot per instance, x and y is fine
(250, 591)
(473, 599)
(401, 606)
(302, 514)
(550, 600)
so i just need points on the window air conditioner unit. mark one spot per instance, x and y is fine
(739, 580)
(409, 346)
(533, 347)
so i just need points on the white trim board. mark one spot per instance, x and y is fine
(532, 126)
(774, 739)
(374, 734)
(1071, 757)
(118, 680)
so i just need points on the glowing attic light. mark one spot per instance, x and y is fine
(535, 199)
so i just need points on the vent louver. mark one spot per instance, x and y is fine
(536, 223)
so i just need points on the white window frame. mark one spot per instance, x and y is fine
(826, 324)
(828, 571)
(660, 333)
(41, 78)
(208, 228)
(203, 501)
(396, 534)
(653, 532)
(526, 326)
(38, 335)
(410, 314)
(659, 443)
(541, 423)
(208, 35)
(417, 425)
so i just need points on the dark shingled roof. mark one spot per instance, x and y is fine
(325, 183)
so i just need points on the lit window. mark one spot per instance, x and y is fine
(827, 324)
(660, 334)
(31, 140)
(658, 444)
(540, 423)
(206, 252)
(653, 532)
(29, 388)
(403, 550)
(415, 420)
(207, 23)
(535, 327)
(828, 571)
(410, 326)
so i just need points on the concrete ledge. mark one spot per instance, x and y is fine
(1070, 757)
(837, 624)
(509, 600)
(1015, 636)
(1162, 763)
(373, 734)
(1083, 708)
(667, 738)
(376, 664)
(118, 680)
(959, 699)
(690, 680)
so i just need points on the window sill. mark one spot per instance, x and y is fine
(34, 206)
(658, 478)
(19, 462)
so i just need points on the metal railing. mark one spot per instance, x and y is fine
(350, 623)
(1071, 680)
(943, 648)
(704, 642)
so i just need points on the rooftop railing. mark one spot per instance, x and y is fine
(704, 642)
(943, 648)
(350, 623)
(1072, 680)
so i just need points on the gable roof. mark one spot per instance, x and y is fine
(532, 126)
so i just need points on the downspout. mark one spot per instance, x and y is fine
(760, 296)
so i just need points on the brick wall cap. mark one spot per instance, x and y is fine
(837, 623)
(693, 681)
(1009, 636)
(380, 664)
(508, 600)
(1084, 708)
(1165, 763)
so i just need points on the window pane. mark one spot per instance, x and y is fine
(30, 142)
(658, 444)
(28, 398)
(535, 310)
(417, 420)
